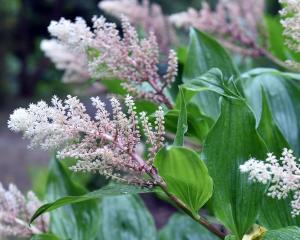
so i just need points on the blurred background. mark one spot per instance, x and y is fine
(26, 75)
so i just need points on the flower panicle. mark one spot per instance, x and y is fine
(74, 63)
(16, 211)
(102, 53)
(148, 16)
(235, 23)
(108, 143)
(283, 175)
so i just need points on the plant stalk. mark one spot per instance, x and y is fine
(197, 217)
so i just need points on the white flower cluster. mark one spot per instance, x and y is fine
(16, 211)
(283, 174)
(99, 52)
(291, 23)
(74, 63)
(108, 144)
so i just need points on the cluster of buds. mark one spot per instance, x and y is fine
(105, 54)
(234, 23)
(16, 211)
(145, 15)
(282, 175)
(291, 23)
(108, 143)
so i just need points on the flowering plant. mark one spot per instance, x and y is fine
(185, 131)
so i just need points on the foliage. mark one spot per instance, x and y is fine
(216, 120)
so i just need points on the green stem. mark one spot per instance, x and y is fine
(186, 210)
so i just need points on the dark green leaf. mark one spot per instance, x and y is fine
(186, 175)
(126, 218)
(75, 222)
(110, 190)
(198, 124)
(283, 97)
(231, 142)
(182, 227)
(201, 92)
(289, 233)
(45, 236)
(182, 125)
(205, 53)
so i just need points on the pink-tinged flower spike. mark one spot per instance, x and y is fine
(234, 23)
(109, 56)
(283, 174)
(16, 211)
(108, 143)
(148, 16)
(74, 64)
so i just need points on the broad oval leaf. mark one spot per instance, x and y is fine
(185, 174)
(126, 217)
(289, 233)
(231, 142)
(181, 227)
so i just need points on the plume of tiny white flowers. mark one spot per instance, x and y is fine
(290, 21)
(108, 143)
(148, 16)
(74, 64)
(234, 23)
(133, 60)
(282, 175)
(16, 211)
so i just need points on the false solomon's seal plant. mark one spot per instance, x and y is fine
(189, 141)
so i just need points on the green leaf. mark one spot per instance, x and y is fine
(274, 213)
(181, 227)
(283, 98)
(198, 123)
(185, 174)
(205, 53)
(289, 233)
(230, 143)
(75, 222)
(182, 125)
(230, 237)
(110, 190)
(126, 218)
(114, 86)
(205, 92)
(45, 236)
(269, 130)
